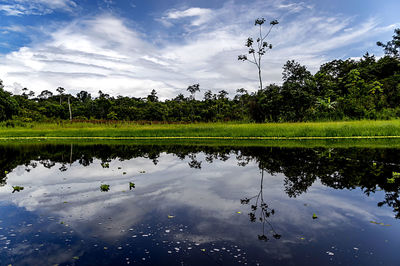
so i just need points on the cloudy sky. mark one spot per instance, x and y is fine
(130, 47)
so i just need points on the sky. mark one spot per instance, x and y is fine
(130, 47)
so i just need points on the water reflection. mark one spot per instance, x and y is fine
(257, 203)
(199, 204)
(368, 169)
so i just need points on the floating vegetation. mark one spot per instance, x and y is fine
(395, 175)
(6, 172)
(105, 165)
(314, 216)
(104, 188)
(171, 216)
(17, 188)
(131, 185)
(373, 222)
(76, 258)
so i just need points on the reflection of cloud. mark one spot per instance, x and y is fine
(207, 199)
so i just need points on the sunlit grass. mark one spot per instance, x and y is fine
(365, 128)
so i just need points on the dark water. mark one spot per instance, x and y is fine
(194, 205)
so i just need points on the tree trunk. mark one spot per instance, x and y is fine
(69, 107)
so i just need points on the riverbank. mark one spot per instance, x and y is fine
(269, 131)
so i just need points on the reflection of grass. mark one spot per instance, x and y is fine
(331, 143)
(210, 130)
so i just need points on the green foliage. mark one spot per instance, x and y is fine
(392, 48)
(104, 188)
(17, 188)
(395, 176)
(8, 105)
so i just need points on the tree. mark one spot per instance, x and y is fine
(69, 107)
(193, 89)
(261, 49)
(392, 48)
(8, 105)
(152, 97)
(45, 94)
(60, 92)
(83, 96)
(298, 91)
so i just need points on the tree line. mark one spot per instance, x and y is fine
(367, 88)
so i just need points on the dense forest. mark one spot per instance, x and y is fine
(368, 88)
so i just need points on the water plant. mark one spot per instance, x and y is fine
(17, 188)
(395, 175)
(104, 188)
(105, 165)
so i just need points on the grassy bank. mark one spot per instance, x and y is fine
(322, 130)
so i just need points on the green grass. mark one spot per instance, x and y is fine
(315, 130)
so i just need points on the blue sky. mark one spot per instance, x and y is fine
(130, 47)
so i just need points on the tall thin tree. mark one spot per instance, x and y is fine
(262, 47)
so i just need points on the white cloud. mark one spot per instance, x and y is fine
(201, 16)
(105, 53)
(35, 7)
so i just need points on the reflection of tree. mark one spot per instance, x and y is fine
(392, 199)
(350, 168)
(194, 163)
(261, 211)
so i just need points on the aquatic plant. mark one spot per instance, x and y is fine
(105, 165)
(17, 188)
(104, 188)
(395, 175)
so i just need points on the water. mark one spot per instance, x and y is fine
(194, 205)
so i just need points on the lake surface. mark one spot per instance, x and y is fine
(198, 205)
